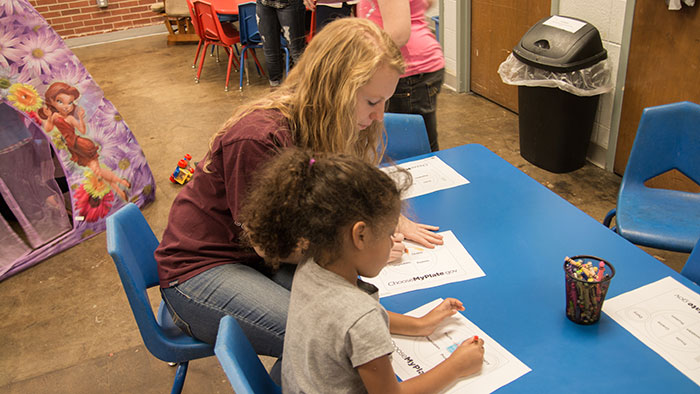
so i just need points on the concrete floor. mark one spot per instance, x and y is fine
(67, 326)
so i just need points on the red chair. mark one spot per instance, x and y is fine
(195, 23)
(212, 32)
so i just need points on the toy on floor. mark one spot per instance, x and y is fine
(183, 172)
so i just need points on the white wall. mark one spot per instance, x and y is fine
(608, 17)
(448, 22)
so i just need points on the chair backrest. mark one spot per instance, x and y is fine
(131, 243)
(668, 138)
(406, 136)
(193, 16)
(210, 27)
(248, 24)
(239, 361)
(207, 20)
(691, 269)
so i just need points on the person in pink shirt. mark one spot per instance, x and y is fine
(416, 92)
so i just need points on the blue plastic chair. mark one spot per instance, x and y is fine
(239, 361)
(691, 269)
(250, 38)
(131, 243)
(668, 138)
(406, 136)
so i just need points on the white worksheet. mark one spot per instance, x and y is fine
(664, 315)
(429, 175)
(420, 267)
(415, 355)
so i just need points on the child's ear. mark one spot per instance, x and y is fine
(359, 234)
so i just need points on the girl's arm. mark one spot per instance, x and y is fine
(378, 374)
(396, 17)
(48, 123)
(81, 119)
(423, 326)
(311, 4)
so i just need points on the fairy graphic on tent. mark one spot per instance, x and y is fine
(62, 112)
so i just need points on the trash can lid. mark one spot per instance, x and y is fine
(561, 44)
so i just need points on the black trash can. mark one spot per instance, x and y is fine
(555, 125)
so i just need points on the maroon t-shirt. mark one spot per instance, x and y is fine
(203, 230)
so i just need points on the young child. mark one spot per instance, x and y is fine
(339, 213)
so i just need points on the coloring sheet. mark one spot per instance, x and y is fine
(429, 175)
(415, 355)
(421, 268)
(664, 315)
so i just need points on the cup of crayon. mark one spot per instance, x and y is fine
(587, 282)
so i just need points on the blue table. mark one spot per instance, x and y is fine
(519, 232)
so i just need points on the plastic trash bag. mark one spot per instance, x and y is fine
(590, 81)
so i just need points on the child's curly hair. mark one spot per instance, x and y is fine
(303, 199)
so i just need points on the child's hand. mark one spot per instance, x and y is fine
(468, 358)
(430, 321)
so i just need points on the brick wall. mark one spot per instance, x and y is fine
(75, 18)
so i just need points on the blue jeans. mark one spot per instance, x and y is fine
(290, 22)
(258, 302)
(417, 94)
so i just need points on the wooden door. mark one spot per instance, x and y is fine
(663, 67)
(496, 27)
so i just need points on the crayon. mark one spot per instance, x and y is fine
(601, 271)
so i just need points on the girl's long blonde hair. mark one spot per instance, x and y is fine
(319, 95)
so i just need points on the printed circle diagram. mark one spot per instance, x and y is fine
(417, 260)
(674, 329)
(441, 346)
(677, 330)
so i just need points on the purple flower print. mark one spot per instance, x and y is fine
(9, 53)
(40, 50)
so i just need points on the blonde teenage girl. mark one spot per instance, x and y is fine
(333, 101)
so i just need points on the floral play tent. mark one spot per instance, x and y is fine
(67, 158)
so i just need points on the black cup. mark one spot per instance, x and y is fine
(585, 293)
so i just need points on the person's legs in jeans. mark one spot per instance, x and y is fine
(269, 28)
(291, 20)
(417, 94)
(258, 302)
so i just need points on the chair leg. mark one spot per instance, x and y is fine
(196, 56)
(609, 217)
(180, 375)
(257, 64)
(201, 63)
(228, 69)
(240, 81)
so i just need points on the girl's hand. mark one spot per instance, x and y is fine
(468, 358)
(398, 248)
(422, 234)
(432, 319)
(81, 112)
(310, 4)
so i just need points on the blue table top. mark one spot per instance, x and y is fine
(519, 232)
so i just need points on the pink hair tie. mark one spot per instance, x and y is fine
(312, 161)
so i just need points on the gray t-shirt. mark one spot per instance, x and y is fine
(332, 327)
